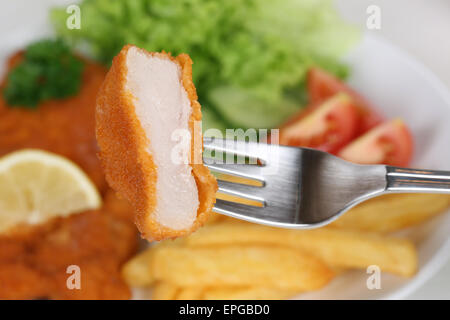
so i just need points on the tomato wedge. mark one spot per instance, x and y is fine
(389, 143)
(321, 85)
(327, 127)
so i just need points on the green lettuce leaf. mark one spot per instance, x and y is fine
(248, 54)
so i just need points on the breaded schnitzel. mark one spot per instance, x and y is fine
(33, 262)
(65, 126)
(148, 99)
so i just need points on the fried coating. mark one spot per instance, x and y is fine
(34, 260)
(64, 126)
(129, 168)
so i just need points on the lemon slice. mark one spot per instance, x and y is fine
(36, 185)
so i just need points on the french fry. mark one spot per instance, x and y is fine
(137, 271)
(393, 212)
(248, 293)
(263, 266)
(338, 270)
(213, 218)
(232, 198)
(230, 259)
(164, 291)
(190, 293)
(338, 248)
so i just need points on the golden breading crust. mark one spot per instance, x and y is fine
(129, 168)
(34, 258)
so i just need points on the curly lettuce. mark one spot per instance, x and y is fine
(251, 56)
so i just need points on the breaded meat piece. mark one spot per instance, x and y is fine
(146, 102)
(63, 126)
(34, 259)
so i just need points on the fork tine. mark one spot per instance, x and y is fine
(252, 172)
(233, 209)
(262, 215)
(242, 191)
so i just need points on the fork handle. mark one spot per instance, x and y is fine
(417, 180)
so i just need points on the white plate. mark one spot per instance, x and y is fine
(397, 84)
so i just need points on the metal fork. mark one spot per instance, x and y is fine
(305, 188)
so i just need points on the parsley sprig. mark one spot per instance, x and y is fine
(49, 70)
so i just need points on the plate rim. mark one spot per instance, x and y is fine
(442, 255)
